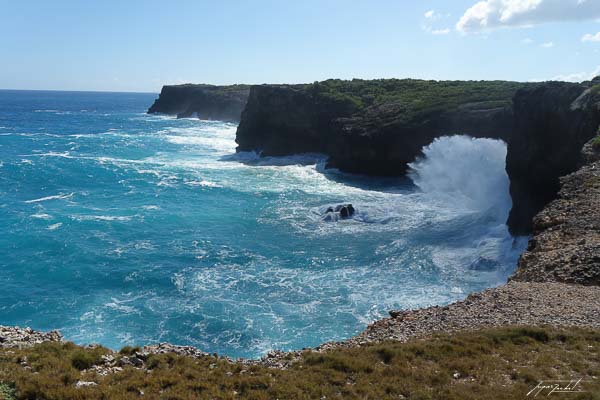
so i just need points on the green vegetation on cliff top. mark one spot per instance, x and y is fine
(492, 364)
(412, 99)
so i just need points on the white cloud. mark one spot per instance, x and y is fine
(490, 14)
(431, 17)
(547, 45)
(527, 41)
(578, 76)
(588, 37)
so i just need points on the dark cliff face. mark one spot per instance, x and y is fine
(371, 127)
(553, 120)
(565, 246)
(379, 143)
(224, 103)
(289, 119)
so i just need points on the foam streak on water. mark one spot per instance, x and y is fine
(123, 228)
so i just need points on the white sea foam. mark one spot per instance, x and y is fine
(54, 226)
(204, 183)
(218, 144)
(41, 216)
(118, 306)
(60, 196)
(101, 218)
(64, 154)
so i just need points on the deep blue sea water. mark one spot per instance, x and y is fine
(123, 228)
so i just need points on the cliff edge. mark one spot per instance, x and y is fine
(223, 103)
(372, 127)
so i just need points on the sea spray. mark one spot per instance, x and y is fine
(465, 171)
(468, 173)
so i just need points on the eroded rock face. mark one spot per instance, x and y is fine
(553, 120)
(223, 103)
(565, 246)
(283, 120)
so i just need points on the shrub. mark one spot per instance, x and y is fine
(82, 360)
(7, 392)
(128, 350)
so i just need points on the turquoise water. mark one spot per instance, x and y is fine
(123, 228)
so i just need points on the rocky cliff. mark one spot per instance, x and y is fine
(372, 127)
(378, 127)
(565, 246)
(224, 103)
(552, 122)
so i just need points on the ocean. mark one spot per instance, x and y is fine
(122, 228)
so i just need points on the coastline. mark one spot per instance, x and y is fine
(535, 295)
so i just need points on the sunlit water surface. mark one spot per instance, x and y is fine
(124, 228)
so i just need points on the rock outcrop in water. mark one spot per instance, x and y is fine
(223, 103)
(341, 211)
(372, 127)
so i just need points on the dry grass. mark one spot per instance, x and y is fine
(492, 364)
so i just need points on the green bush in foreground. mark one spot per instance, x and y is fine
(492, 364)
(6, 392)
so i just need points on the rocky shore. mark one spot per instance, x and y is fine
(15, 337)
(516, 303)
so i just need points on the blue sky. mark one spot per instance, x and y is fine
(141, 45)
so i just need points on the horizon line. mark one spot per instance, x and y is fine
(75, 91)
